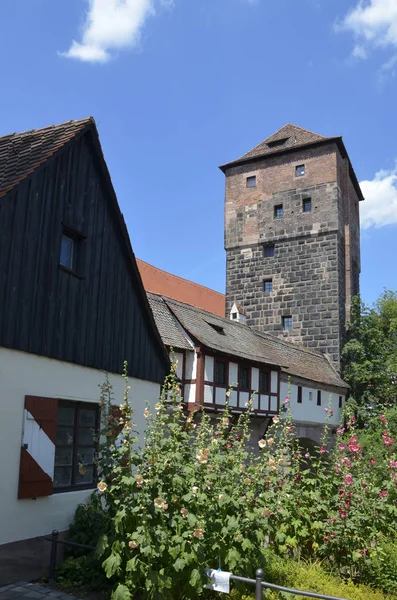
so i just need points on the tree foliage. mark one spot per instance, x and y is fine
(370, 355)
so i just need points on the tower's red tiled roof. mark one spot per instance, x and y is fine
(22, 153)
(163, 283)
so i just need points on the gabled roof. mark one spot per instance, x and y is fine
(240, 341)
(170, 331)
(287, 139)
(163, 283)
(22, 153)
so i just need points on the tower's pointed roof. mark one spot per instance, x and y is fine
(285, 139)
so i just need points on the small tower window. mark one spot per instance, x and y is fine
(268, 250)
(268, 285)
(251, 181)
(307, 205)
(278, 211)
(318, 397)
(287, 323)
(68, 251)
(340, 401)
(300, 170)
(299, 394)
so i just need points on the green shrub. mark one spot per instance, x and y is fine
(382, 567)
(311, 577)
(88, 525)
(82, 571)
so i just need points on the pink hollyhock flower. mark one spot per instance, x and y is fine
(340, 431)
(353, 419)
(383, 494)
(326, 410)
(348, 479)
(393, 464)
(342, 446)
(388, 441)
(354, 446)
(323, 449)
(383, 419)
(372, 461)
(342, 514)
(331, 412)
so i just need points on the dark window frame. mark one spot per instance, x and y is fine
(76, 237)
(284, 321)
(306, 202)
(78, 407)
(277, 207)
(249, 180)
(267, 281)
(299, 399)
(340, 401)
(298, 170)
(318, 397)
(246, 388)
(225, 383)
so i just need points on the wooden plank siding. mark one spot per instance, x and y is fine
(98, 317)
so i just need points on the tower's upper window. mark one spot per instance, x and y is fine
(300, 170)
(287, 323)
(278, 211)
(251, 181)
(307, 205)
(268, 250)
(268, 285)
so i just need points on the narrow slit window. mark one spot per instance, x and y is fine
(318, 397)
(287, 323)
(307, 205)
(299, 394)
(340, 401)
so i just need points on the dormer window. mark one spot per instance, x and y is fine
(237, 313)
(218, 328)
(276, 143)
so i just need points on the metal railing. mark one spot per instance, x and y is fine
(260, 585)
(54, 539)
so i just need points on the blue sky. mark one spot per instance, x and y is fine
(178, 87)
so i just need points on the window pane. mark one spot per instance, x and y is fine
(86, 437)
(287, 323)
(65, 415)
(85, 455)
(87, 417)
(66, 258)
(84, 474)
(251, 181)
(300, 170)
(268, 251)
(220, 372)
(307, 205)
(63, 456)
(263, 382)
(243, 378)
(268, 285)
(278, 211)
(64, 436)
(62, 476)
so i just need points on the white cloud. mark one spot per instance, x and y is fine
(380, 205)
(373, 24)
(112, 25)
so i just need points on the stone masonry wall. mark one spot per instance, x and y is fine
(308, 270)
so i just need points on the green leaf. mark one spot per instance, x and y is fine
(195, 578)
(102, 545)
(179, 564)
(112, 564)
(121, 593)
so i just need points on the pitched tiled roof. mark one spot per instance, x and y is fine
(239, 340)
(22, 153)
(163, 283)
(288, 137)
(170, 332)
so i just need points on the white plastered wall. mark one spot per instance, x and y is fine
(308, 412)
(23, 374)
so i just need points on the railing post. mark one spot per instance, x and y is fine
(259, 579)
(53, 556)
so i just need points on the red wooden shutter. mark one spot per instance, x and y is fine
(36, 470)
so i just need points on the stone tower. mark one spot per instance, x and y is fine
(292, 237)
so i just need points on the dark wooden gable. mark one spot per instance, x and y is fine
(97, 316)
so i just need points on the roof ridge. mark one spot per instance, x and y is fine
(42, 129)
